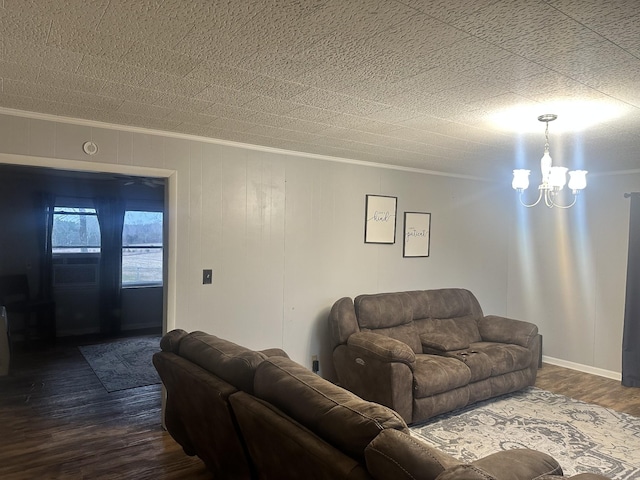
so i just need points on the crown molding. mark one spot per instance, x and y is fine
(186, 136)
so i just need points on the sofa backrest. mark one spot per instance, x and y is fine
(444, 303)
(389, 314)
(411, 317)
(446, 319)
(283, 449)
(200, 373)
(232, 363)
(336, 415)
(197, 414)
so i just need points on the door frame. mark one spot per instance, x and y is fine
(170, 207)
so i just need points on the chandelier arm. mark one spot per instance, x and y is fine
(532, 204)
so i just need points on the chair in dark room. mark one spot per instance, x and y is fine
(30, 318)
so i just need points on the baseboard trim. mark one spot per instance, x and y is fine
(583, 368)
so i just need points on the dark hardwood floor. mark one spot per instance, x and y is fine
(58, 422)
(590, 388)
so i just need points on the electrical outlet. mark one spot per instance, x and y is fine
(207, 276)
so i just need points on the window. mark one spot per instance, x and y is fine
(75, 230)
(142, 248)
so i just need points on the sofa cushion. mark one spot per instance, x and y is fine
(435, 374)
(388, 314)
(504, 357)
(453, 302)
(233, 363)
(383, 310)
(407, 334)
(340, 417)
(420, 303)
(444, 341)
(478, 363)
(448, 334)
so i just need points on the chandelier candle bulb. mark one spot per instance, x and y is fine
(577, 180)
(520, 179)
(558, 177)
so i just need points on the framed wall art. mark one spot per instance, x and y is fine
(417, 233)
(380, 219)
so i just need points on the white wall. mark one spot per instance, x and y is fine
(284, 233)
(567, 273)
(284, 237)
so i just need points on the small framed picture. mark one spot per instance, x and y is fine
(380, 219)
(417, 232)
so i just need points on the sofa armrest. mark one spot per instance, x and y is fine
(394, 454)
(507, 330)
(517, 464)
(379, 369)
(397, 455)
(381, 348)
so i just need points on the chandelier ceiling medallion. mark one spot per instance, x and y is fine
(553, 178)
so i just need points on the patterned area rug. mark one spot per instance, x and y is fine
(580, 436)
(124, 364)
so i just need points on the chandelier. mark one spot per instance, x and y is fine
(553, 178)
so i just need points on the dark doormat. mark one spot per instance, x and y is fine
(124, 364)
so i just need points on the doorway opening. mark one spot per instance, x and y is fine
(145, 303)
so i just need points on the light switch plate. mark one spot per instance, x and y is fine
(207, 276)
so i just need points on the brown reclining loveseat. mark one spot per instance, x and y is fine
(426, 352)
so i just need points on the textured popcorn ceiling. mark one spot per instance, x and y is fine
(411, 82)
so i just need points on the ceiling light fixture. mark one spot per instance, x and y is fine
(553, 178)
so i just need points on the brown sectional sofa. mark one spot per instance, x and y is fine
(200, 372)
(426, 352)
(261, 415)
